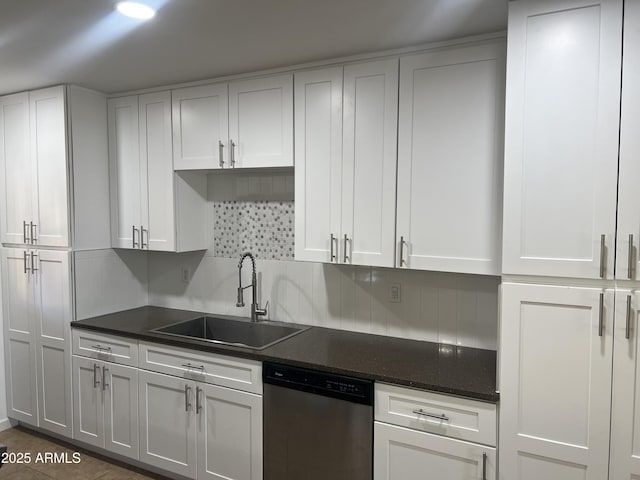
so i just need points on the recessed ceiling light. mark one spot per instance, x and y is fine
(136, 10)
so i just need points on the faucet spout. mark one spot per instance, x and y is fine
(256, 311)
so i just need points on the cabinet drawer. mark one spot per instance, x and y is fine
(435, 413)
(211, 368)
(109, 348)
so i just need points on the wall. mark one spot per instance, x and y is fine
(109, 281)
(440, 307)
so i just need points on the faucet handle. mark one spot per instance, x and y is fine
(263, 311)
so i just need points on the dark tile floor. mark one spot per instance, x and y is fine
(91, 466)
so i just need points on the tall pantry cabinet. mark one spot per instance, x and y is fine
(569, 315)
(55, 197)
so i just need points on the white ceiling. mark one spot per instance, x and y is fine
(45, 42)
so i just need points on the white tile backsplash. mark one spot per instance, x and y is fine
(439, 307)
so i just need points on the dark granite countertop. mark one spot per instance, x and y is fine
(462, 371)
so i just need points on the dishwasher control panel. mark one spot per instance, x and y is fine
(321, 383)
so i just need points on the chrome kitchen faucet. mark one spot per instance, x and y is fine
(256, 311)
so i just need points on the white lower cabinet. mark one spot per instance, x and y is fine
(105, 405)
(555, 382)
(416, 431)
(199, 430)
(403, 454)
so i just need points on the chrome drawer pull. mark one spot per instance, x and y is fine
(442, 416)
(100, 348)
(195, 367)
(627, 328)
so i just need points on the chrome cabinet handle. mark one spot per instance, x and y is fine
(401, 252)
(33, 263)
(34, 238)
(602, 249)
(96, 382)
(344, 251)
(627, 328)
(195, 367)
(134, 244)
(142, 230)
(601, 316)
(442, 416)
(232, 159)
(333, 256)
(25, 239)
(484, 466)
(198, 405)
(101, 348)
(221, 153)
(24, 258)
(104, 378)
(187, 405)
(630, 258)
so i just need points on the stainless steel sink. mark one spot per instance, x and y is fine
(226, 331)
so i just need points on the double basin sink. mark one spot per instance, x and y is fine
(238, 333)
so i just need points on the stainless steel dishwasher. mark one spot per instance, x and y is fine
(317, 426)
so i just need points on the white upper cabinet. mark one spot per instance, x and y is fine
(49, 154)
(346, 163)
(200, 127)
(33, 137)
(152, 208)
(125, 172)
(555, 382)
(628, 242)
(450, 159)
(369, 153)
(261, 122)
(561, 146)
(17, 173)
(318, 172)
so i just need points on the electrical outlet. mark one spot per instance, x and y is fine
(395, 293)
(185, 274)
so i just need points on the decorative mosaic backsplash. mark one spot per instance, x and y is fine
(262, 227)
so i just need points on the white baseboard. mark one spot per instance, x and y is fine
(5, 424)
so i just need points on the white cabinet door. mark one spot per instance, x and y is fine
(88, 422)
(125, 172)
(450, 159)
(261, 122)
(16, 172)
(369, 156)
(52, 283)
(49, 156)
(157, 229)
(403, 454)
(120, 399)
(318, 172)
(561, 145)
(625, 411)
(628, 242)
(229, 434)
(555, 382)
(19, 327)
(200, 127)
(167, 423)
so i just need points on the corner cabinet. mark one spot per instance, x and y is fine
(33, 175)
(151, 207)
(346, 130)
(562, 131)
(37, 311)
(241, 124)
